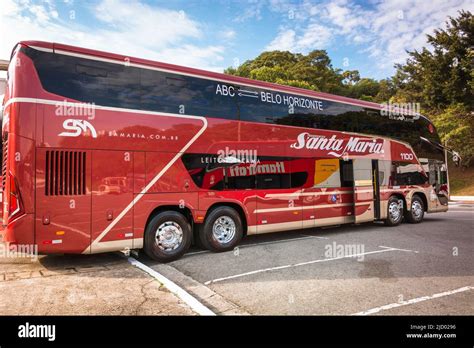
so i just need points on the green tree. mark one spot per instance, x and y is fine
(456, 127)
(441, 79)
(312, 71)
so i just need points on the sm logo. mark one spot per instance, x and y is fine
(74, 128)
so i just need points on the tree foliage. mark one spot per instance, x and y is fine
(440, 77)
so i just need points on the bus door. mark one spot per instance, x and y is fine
(364, 194)
(376, 184)
(112, 193)
(63, 200)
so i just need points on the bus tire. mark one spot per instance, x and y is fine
(222, 230)
(416, 212)
(394, 211)
(167, 236)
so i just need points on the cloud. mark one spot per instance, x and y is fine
(384, 30)
(314, 36)
(119, 26)
(285, 41)
(252, 10)
(397, 26)
(228, 34)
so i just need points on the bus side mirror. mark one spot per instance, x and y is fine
(456, 158)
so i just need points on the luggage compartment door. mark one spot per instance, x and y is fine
(63, 201)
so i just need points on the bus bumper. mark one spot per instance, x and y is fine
(19, 231)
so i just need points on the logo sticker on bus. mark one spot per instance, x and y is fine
(75, 128)
(338, 147)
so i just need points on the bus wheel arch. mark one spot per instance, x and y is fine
(223, 228)
(237, 207)
(395, 213)
(168, 235)
(423, 199)
(162, 208)
(415, 213)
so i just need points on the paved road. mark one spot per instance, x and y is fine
(103, 284)
(365, 269)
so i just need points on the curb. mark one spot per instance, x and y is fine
(190, 300)
(467, 199)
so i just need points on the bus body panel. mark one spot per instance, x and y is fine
(63, 200)
(134, 162)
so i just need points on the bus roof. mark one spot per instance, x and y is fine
(145, 63)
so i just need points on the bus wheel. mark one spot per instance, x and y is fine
(417, 211)
(394, 211)
(167, 236)
(222, 230)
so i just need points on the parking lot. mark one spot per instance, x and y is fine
(426, 268)
(368, 269)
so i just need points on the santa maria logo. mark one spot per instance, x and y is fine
(337, 147)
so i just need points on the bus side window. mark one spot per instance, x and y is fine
(252, 108)
(384, 172)
(347, 174)
(407, 174)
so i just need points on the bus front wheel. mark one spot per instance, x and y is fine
(167, 236)
(417, 211)
(222, 230)
(394, 211)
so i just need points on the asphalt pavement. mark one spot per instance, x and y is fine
(368, 269)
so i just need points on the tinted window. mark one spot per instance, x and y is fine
(123, 86)
(347, 173)
(280, 173)
(268, 173)
(251, 107)
(407, 174)
(87, 80)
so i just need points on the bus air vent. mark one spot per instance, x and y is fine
(65, 173)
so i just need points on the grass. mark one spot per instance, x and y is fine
(461, 181)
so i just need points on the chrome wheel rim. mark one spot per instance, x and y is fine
(416, 209)
(223, 229)
(169, 236)
(395, 211)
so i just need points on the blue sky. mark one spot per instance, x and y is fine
(369, 36)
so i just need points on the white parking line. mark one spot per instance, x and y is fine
(386, 247)
(297, 265)
(191, 301)
(318, 237)
(413, 300)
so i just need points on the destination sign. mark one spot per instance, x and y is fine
(269, 97)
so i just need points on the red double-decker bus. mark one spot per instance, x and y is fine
(105, 152)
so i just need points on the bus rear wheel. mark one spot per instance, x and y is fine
(394, 211)
(167, 236)
(222, 230)
(416, 212)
